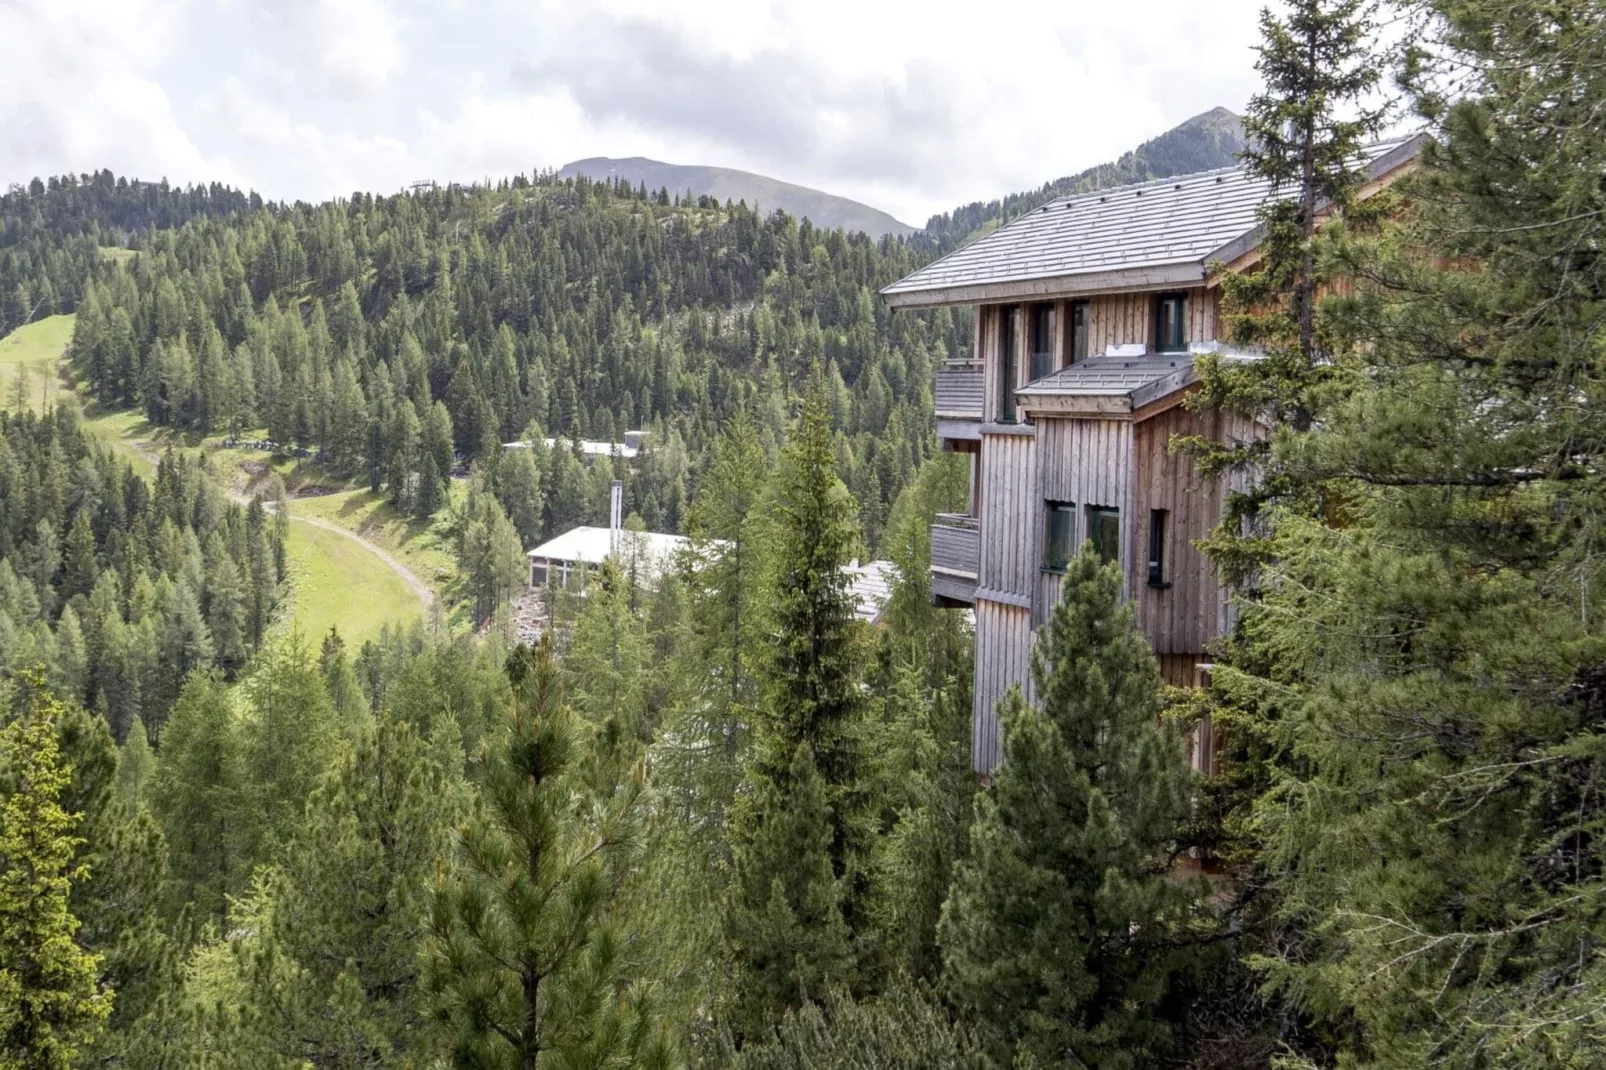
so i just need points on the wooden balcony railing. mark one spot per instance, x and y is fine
(959, 391)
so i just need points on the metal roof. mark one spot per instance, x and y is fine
(1148, 235)
(1130, 380)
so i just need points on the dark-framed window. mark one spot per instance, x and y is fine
(1008, 349)
(1104, 531)
(1158, 523)
(1080, 328)
(1059, 535)
(1171, 323)
(1042, 340)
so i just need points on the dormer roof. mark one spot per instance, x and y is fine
(1154, 235)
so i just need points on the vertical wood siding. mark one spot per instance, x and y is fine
(1183, 618)
(1011, 514)
(1128, 319)
(1003, 657)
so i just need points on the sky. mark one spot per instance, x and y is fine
(913, 108)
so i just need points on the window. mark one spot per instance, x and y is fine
(1042, 340)
(1171, 323)
(1104, 531)
(1059, 536)
(1157, 536)
(1079, 331)
(1008, 347)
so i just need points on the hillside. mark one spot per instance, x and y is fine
(1204, 142)
(725, 184)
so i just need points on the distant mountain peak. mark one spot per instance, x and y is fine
(825, 210)
(1204, 142)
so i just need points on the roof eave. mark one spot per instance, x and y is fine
(1122, 280)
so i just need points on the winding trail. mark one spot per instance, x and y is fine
(425, 593)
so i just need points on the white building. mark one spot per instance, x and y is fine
(591, 450)
(566, 561)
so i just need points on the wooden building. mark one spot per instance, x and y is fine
(1090, 313)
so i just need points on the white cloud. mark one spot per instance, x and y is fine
(911, 107)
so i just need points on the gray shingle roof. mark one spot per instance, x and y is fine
(1107, 376)
(1155, 233)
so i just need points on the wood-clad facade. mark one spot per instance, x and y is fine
(1091, 311)
(1109, 456)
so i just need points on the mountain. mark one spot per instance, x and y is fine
(725, 184)
(1202, 143)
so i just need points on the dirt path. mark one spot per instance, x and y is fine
(425, 593)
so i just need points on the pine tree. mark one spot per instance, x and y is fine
(1065, 935)
(523, 965)
(50, 1004)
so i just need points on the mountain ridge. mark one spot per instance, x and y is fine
(825, 210)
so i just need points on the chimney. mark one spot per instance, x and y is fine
(616, 509)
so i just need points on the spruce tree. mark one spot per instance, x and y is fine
(1305, 132)
(801, 835)
(1065, 935)
(523, 965)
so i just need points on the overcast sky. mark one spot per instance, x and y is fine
(910, 107)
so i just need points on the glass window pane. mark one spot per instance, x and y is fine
(1104, 529)
(1079, 331)
(1059, 542)
(1042, 341)
(1009, 346)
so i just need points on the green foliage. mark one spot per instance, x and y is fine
(1426, 676)
(1066, 936)
(330, 974)
(800, 832)
(198, 795)
(288, 737)
(905, 1029)
(523, 966)
(1306, 130)
(128, 603)
(490, 557)
(50, 1003)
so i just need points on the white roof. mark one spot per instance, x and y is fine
(585, 545)
(589, 447)
(871, 584)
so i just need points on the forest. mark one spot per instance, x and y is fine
(716, 819)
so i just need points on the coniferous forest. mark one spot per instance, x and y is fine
(717, 819)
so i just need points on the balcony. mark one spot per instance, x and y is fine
(955, 558)
(959, 400)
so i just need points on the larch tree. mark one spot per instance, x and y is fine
(50, 1003)
(198, 795)
(1438, 657)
